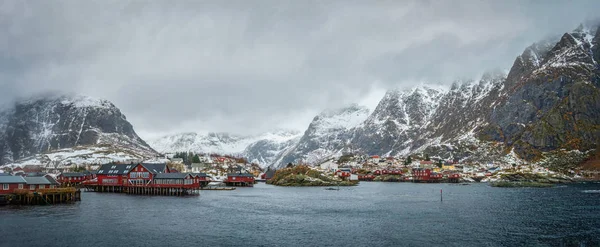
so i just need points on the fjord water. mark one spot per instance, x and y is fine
(371, 214)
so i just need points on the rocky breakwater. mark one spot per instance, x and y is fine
(530, 180)
(306, 176)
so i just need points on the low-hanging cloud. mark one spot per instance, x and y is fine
(252, 66)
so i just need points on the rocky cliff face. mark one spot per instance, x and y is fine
(329, 133)
(398, 122)
(269, 146)
(554, 105)
(55, 122)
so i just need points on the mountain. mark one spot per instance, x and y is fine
(46, 123)
(222, 143)
(260, 149)
(329, 133)
(554, 104)
(398, 121)
(548, 102)
(268, 146)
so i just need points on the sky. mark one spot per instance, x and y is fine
(248, 67)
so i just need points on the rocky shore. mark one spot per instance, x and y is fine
(529, 180)
(306, 176)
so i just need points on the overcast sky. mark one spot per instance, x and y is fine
(251, 66)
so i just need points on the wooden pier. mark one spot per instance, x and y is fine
(41, 196)
(143, 190)
(217, 188)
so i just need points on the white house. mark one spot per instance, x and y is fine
(329, 166)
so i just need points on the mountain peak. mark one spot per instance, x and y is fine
(49, 122)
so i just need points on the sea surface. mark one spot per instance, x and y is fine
(371, 214)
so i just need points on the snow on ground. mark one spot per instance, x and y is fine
(83, 155)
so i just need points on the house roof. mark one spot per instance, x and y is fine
(171, 175)
(5, 174)
(200, 174)
(200, 165)
(113, 169)
(240, 175)
(52, 180)
(155, 168)
(35, 174)
(37, 180)
(73, 174)
(12, 180)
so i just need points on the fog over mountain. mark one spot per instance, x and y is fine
(251, 67)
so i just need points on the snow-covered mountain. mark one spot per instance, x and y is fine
(260, 149)
(221, 143)
(398, 121)
(270, 145)
(329, 133)
(50, 122)
(549, 100)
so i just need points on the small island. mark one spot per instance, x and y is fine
(302, 175)
(528, 180)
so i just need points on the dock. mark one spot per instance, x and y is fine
(173, 190)
(218, 188)
(41, 196)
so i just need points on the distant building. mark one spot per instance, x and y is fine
(329, 166)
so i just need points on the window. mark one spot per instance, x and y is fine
(32, 187)
(113, 167)
(101, 171)
(51, 186)
(5, 186)
(129, 166)
(20, 186)
(42, 186)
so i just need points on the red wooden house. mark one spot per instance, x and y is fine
(171, 180)
(201, 179)
(454, 177)
(32, 168)
(239, 179)
(71, 178)
(113, 174)
(342, 173)
(35, 183)
(9, 183)
(367, 177)
(421, 175)
(377, 172)
(143, 174)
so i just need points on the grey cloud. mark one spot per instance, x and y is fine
(251, 66)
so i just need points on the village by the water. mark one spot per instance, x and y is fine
(173, 176)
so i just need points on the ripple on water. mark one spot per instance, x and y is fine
(371, 214)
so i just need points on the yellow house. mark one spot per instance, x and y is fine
(448, 167)
(437, 169)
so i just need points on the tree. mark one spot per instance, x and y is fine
(289, 165)
(408, 160)
(196, 159)
(440, 164)
(427, 157)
